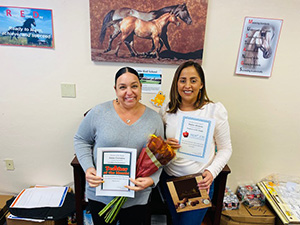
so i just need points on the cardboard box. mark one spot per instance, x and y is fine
(26, 222)
(3, 207)
(248, 216)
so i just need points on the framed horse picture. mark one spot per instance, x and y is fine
(161, 32)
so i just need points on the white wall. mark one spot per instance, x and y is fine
(38, 125)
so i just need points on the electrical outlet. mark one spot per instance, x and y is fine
(9, 163)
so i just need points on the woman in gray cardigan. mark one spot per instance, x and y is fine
(123, 122)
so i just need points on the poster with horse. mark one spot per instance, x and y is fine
(26, 27)
(258, 46)
(161, 32)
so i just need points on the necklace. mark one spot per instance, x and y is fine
(128, 121)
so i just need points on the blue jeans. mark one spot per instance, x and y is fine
(194, 217)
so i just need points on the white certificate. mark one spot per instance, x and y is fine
(195, 136)
(116, 166)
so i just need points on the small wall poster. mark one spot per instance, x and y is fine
(150, 79)
(26, 27)
(258, 46)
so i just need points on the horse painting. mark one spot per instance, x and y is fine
(258, 39)
(25, 28)
(114, 17)
(131, 26)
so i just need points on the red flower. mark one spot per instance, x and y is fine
(155, 154)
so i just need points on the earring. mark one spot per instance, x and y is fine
(117, 100)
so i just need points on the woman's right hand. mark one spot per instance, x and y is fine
(92, 178)
(174, 143)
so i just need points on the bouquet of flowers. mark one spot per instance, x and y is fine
(155, 154)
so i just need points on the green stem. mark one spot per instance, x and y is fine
(108, 212)
(113, 210)
(123, 200)
(108, 206)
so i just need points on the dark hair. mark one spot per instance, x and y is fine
(125, 70)
(175, 98)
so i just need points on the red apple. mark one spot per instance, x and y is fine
(185, 134)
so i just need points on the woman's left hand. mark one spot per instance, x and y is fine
(206, 181)
(140, 183)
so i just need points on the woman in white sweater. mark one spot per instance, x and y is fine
(188, 97)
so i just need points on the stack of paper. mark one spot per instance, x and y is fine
(40, 196)
(284, 198)
(12, 217)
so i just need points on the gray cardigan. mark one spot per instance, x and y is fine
(102, 127)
